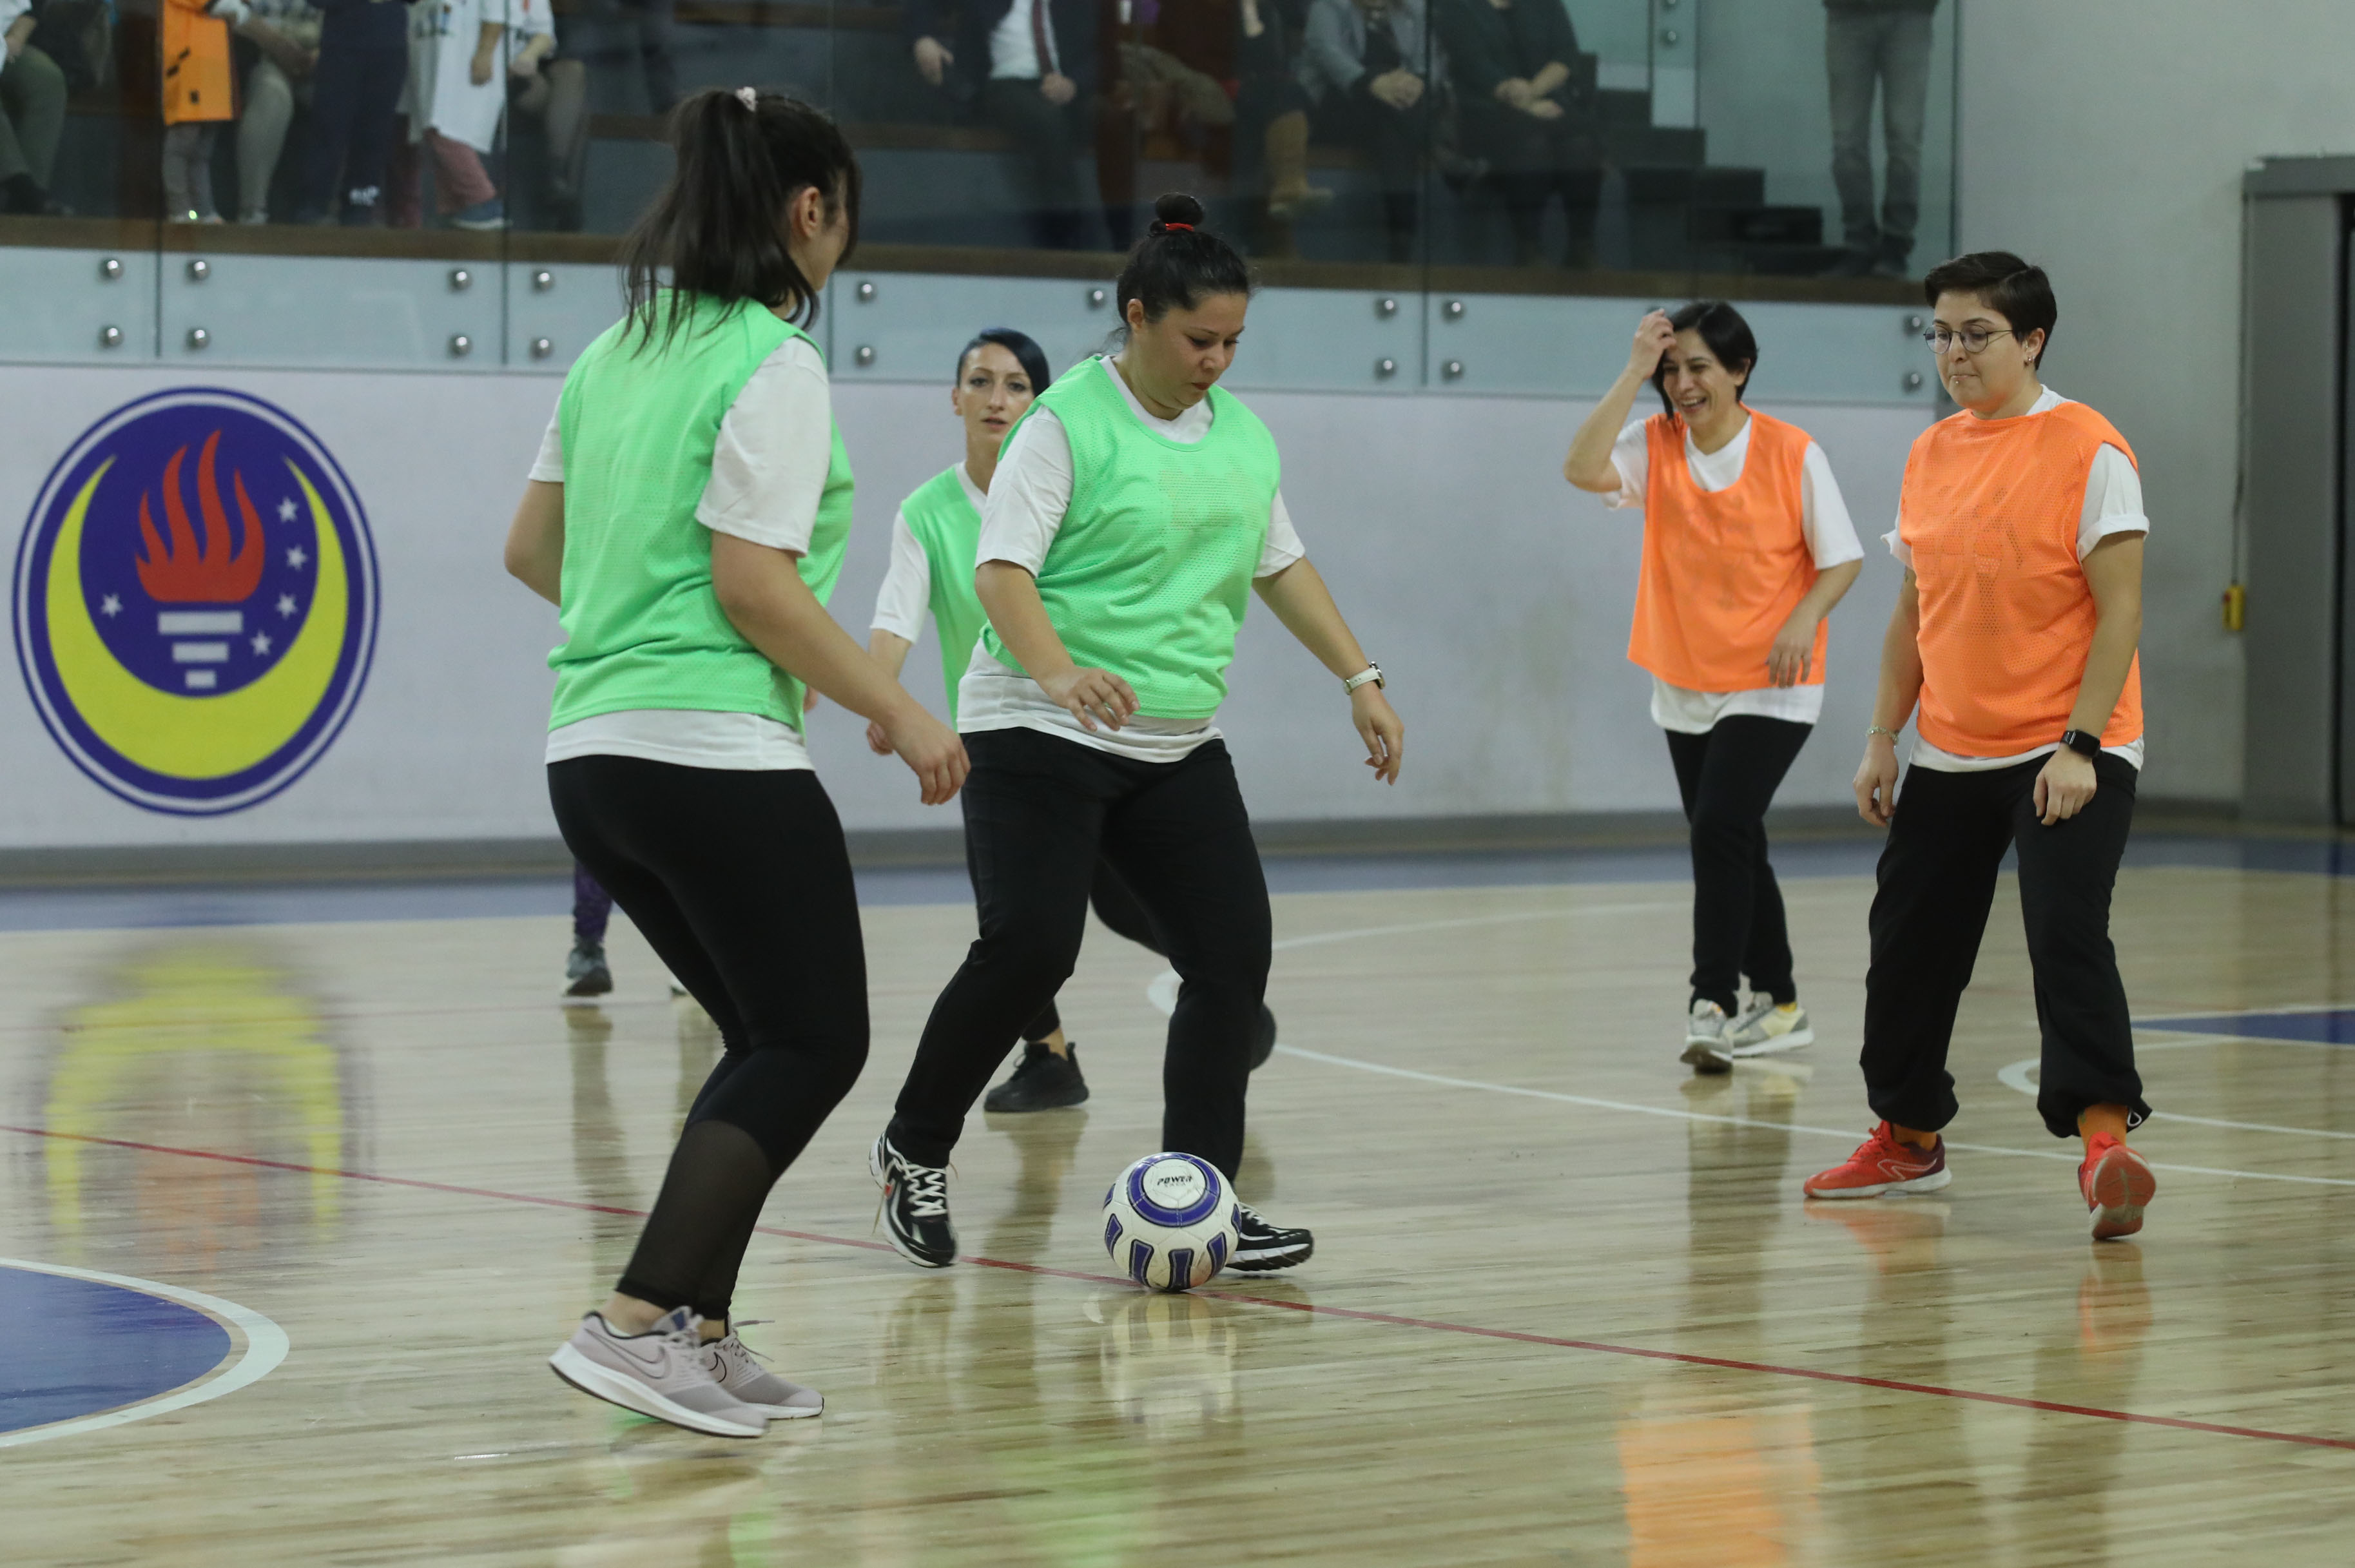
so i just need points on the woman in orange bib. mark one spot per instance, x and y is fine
(2021, 528)
(1747, 546)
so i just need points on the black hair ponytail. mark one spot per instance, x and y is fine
(1180, 263)
(1728, 338)
(718, 226)
(1026, 352)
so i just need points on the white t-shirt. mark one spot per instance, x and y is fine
(1026, 501)
(768, 473)
(906, 596)
(1824, 523)
(1013, 53)
(2113, 506)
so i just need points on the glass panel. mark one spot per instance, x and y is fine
(79, 107)
(1844, 118)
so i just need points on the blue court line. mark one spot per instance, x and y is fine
(2328, 1026)
(73, 1346)
(297, 903)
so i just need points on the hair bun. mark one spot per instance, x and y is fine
(1176, 207)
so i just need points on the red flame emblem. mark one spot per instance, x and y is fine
(185, 574)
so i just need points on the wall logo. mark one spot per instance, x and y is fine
(195, 600)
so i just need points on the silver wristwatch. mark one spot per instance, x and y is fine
(1372, 672)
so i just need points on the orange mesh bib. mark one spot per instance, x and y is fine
(1991, 512)
(1722, 569)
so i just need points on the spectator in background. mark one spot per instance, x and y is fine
(1528, 108)
(1028, 66)
(32, 113)
(199, 96)
(286, 35)
(363, 61)
(652, 24)
(455, 98)
(1885, 42)
(1367, 72)
(554, 89)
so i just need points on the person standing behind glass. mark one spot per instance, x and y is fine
(1888, 42)
(1028, 67)
(32, 113)
(1528, 110)
(1364, 66)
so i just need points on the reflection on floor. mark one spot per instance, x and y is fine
(1567, 1305)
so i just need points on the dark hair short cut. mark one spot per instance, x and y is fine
(717, 226)
(1728, 337)
(1180, 263)
(1033, 358)
(2013, 289)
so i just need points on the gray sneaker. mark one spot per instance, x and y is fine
(659, 1373)
(1761, 1028)
(734, 1366)
(1705, 1047)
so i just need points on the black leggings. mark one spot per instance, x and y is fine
(740, 883)
(1040, 812)
(1118, 908)
(1937, 882)
(1728, 776)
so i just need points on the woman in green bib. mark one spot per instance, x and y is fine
(687, 516)
(933, 539)
(1133, 513)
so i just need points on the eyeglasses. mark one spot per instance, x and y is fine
(1974, 339)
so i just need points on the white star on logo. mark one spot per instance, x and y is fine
(296, 557)
(286, 604)
(110, 606)
(260, 641)
(286, 510)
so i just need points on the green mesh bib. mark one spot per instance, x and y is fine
(1151, 572)
(940, 515)
(642, 627)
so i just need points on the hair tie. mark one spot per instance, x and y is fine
(1175, 228)
(748, 99)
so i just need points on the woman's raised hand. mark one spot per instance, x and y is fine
(1096, 698)
(1653, 338)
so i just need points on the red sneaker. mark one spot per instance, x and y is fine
(1881, 1164)
(2118, 1186)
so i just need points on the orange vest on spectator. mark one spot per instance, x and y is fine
(1722, 569)
(1990, 511)
(200, 81)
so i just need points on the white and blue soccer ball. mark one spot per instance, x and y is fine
(1169, 1222)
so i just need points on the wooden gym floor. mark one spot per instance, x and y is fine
(1568, 1306)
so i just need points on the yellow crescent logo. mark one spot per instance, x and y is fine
(194, 737)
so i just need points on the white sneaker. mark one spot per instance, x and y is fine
(734, 1366)
(1761, 1028)
(1705, 1047)
(660, 1372)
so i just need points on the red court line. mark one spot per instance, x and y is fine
(1352, 1314)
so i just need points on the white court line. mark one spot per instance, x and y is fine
(1162, 993)
(265, 1346)
(2015, 1075)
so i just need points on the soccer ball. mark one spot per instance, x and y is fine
(1169, 1222)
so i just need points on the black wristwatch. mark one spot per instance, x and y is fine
(2087, 746)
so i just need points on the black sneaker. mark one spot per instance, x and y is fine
(1042, 1081)
(585, 974)
(915, 1206)
(1264, 1043)
(1260, 1247)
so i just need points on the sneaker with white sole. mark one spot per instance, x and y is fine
(1261, 1248)
(735, 1366)
(1763, 1028)
(660, 1373)
(915, 1206)
(1705, 1046)
(1881, 1165)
